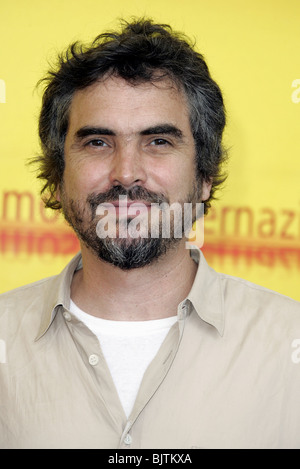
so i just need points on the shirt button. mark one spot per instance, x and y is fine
(93, 360)
(67, 316)
(127, 439)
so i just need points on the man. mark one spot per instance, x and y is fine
(138, 343)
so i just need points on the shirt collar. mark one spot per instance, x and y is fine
(58, 294)
(205, 295)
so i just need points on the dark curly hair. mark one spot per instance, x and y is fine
(142, 51)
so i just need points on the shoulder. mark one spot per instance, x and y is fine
(25, 294)
(21, 313)
(25, 306)
(253, 289)
(33, 306)
(47, 291)
(250, 298)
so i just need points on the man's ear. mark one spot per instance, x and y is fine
(57, 194)
(206, 189)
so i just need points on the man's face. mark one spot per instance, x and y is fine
(133, 141)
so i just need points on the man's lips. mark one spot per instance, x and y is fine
(128, 203)
(128, 207)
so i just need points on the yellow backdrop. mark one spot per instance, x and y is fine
(252, 49)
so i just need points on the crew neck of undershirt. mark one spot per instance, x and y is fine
(125, 328)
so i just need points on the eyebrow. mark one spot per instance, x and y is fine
(165, 129)
(161, 129)
(86, 131)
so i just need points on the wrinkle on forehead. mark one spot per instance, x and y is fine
(134, 105)
(159, 80)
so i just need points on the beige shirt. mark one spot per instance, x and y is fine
(226, 376)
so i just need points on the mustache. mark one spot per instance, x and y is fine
(134, 193)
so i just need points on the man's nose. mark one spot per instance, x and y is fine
(127, 168)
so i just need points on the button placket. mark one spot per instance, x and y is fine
(128, 439)
(93, 359)
(67, 316)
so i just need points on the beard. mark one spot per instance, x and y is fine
(124, 252)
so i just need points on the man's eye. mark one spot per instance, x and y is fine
(97, 142)
(159, 141)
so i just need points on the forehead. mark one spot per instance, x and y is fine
(114, 102)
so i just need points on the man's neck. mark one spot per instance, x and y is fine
(147, 293)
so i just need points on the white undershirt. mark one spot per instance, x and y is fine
(128, 348)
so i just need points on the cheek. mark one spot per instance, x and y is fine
(179, 178)
(85, 178)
